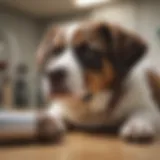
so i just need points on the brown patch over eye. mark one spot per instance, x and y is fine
(58, 44)
(52, 52)
(52, 44)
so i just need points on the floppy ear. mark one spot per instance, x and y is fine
(45, 44)
(123, 49)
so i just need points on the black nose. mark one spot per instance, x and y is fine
(57, 76)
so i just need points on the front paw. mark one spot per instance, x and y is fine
(49, 128)
(138, 130)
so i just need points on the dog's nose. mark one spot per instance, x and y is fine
(57, 75)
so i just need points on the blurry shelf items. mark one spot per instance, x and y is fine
(5, 87)
(20, 87)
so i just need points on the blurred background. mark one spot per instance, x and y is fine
(23, 22)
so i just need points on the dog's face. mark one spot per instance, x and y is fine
(85, 59)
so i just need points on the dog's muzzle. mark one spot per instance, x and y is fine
(57, 79)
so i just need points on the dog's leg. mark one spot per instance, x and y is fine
(51, 123)
(55, 110)
(141, 125)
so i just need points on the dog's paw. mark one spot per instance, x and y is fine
(138, 130)
(49, 128)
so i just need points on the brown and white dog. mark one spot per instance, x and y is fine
(95, 76)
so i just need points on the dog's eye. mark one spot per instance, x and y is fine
(88, 57)
(57, 51)
(53, 52)
(81, 49)
(89, 54)
(84, 51)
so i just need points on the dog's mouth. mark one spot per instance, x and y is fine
(64, 92)
(60, 89)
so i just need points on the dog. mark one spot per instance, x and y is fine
(96, 74)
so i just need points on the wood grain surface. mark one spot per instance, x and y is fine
(83, 146)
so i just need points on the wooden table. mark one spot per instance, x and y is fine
(83, 146)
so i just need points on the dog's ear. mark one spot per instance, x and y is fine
(123, 49)
(45, 44)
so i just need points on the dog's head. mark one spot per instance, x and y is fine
(85, 59)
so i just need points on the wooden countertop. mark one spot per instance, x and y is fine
(83, 146)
